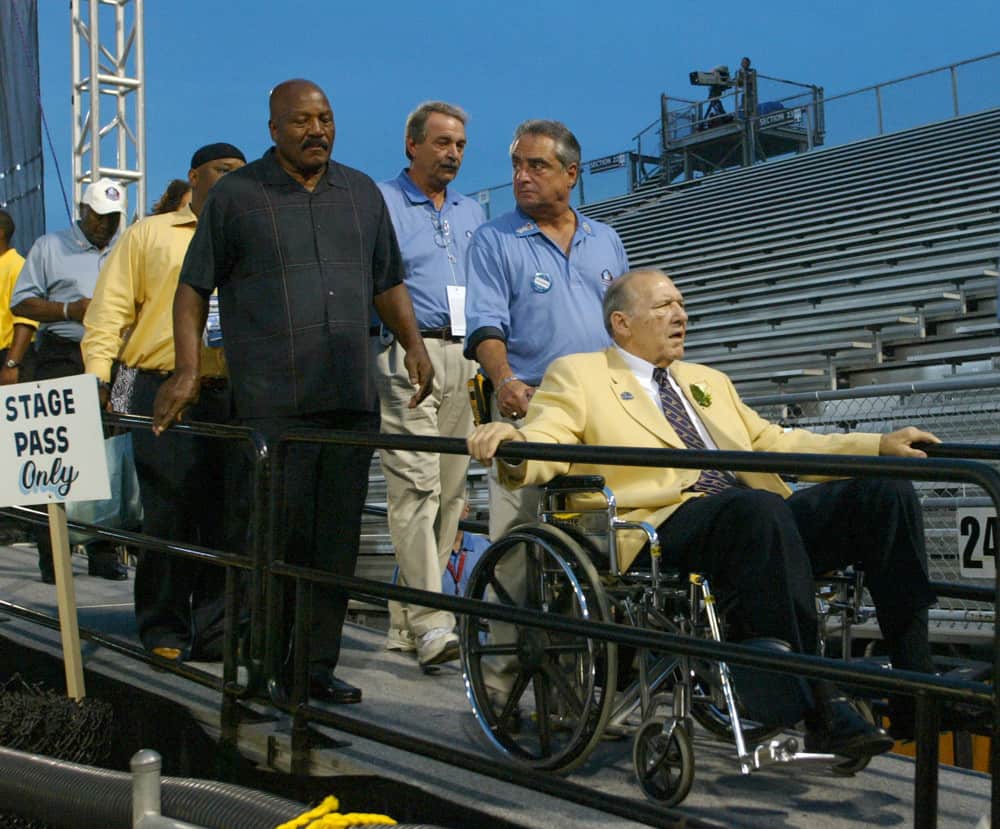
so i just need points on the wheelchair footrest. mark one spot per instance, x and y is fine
(774, 751)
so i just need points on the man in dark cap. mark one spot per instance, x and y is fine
(301, 248)
(185, 494)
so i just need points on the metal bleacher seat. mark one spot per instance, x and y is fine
(835, 260)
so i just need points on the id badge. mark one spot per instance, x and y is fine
(212, 335)
(456, 309)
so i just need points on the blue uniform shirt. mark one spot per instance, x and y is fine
(434, 244)
(524, 290)
(60, 267)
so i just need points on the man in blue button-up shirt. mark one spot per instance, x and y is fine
(537, 277)
(434, 224)
(54, 288)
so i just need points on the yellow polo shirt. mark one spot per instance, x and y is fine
(130, 317)
(10, 267)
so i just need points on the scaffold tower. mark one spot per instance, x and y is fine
(108, 68)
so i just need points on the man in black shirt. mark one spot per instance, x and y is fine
(300, 248)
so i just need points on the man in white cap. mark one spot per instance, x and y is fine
(54, 288)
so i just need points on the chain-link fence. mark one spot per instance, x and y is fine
(966, 411)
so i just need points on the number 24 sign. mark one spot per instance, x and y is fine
(977, 542)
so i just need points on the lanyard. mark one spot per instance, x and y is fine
(456, 572)
(443, 237)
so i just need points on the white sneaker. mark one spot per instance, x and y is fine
(436, 646)
(400, 640)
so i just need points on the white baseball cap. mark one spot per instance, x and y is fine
(105, 196)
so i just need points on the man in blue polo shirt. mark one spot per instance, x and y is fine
(537, 277)
(434, 224)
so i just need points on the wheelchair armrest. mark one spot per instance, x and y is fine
(575, 483)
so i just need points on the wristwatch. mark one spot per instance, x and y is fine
(11, 364)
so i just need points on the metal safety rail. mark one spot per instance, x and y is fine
(240, 567)
(928, 690)
(269, 570)
(962, 410)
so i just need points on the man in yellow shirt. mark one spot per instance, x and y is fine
(186, 483)
(15, 332)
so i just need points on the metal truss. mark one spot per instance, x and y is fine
(108, 67)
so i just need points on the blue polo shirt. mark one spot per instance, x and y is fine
(434, 244)
(61, 267)
(542, 303)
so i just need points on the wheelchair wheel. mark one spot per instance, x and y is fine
(663, 761)
(708, 707)
(558, 687)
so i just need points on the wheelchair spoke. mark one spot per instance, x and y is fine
(564, 689)
(510, 711)
(541, 686)
(566, 647)
(535, 579)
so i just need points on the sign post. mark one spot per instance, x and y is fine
(52, 452)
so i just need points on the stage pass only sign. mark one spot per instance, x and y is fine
(51, 442)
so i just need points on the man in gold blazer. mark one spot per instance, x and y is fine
(759, 542)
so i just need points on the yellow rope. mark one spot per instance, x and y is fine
(325, 816)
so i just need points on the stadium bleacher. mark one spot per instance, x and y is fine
(819, 269)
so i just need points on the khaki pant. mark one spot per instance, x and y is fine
(426, 492)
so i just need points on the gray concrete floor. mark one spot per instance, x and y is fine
(399, 696)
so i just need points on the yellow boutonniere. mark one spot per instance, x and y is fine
(701, 394)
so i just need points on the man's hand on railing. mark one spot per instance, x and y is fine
(900, 443)
(486, 439)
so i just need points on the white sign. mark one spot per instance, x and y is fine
(608, 162)
(977, 542)
(484, 196)
(51, 442)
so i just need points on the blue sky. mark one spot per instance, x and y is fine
(600, 67)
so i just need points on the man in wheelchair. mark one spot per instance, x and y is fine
(760, 543)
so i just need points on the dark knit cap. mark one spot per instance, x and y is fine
(210, 152)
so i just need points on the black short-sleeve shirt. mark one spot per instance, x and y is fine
(296, 273)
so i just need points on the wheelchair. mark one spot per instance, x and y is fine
(545, 698)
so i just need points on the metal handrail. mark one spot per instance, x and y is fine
(926, 688)
(268, 470)
(234, 563)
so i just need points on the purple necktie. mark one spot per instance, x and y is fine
(710, 481)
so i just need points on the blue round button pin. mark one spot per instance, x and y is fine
(541, 283)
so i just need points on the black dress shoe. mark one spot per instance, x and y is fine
(838, 728)
(324, 685)
(107, 567)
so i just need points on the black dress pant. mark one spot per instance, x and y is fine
(190, 495)
(60, 357)
(325, 487)
(761, 553)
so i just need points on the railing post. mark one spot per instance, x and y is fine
(145, 765)
(878, 107)
(954, 91)
(925, 778)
